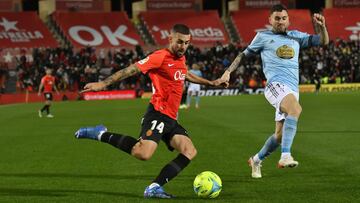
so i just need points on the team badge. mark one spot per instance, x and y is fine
(149, 133)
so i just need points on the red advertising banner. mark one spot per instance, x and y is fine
(250, 21)
(108, 95)
(169, 4)
(260, 3)
(6, 5)
(98, 29)
(79, 5)
(346, 3)
(206, 27)
(24, 29)
(71, 96)
(34, 97)
(343, 23)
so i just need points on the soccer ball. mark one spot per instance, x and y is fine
(207, 185)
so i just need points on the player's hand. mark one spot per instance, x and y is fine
(220, 82)
(39, 94)
(319, 19)
(94, 86)
(226, 76)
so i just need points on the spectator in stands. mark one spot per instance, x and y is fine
(3, 75)
(340, 57)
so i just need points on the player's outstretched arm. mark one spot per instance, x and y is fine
(321, 28)
(198, 80)
(226, 75)
(119, 75)
(202, 81)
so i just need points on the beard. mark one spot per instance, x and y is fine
(279, 29)
(180, 53)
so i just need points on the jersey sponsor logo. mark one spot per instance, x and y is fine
(141, 62)
(179, 75)
(285, 52)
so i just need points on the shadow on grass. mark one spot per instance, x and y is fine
(68, 175)
(229, 178)
(61, 192)
(18, 192)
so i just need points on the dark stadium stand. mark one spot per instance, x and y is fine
(96, 44)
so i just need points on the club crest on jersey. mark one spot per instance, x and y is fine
(285, 52)
(179, 75)
(141, 62)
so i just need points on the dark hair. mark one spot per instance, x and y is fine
(277, 8)
(181, 28)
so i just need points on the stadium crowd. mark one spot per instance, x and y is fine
(339, 62)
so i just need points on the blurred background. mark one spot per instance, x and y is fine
(87, 40)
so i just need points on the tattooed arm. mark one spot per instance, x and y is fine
(226, 76)
(119, 75)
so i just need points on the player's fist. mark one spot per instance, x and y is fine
(319, 19)
(220, 82)
(95, 86)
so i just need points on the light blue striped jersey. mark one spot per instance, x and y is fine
(280, 54)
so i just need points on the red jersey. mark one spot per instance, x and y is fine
(48, 81)
(167, 73)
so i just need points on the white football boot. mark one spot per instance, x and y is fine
(287, 162)
(255, 168)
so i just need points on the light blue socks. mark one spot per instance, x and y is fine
(269, 146)
(289, 131)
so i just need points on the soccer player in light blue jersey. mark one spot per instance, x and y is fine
(194, 89)
(279, 50)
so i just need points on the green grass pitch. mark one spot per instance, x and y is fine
(41, 161)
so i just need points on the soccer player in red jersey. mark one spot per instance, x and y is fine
(48, 83)
(167, 71)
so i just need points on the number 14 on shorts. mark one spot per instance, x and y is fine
(159, 127)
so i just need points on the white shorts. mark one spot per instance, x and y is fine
(275, 93)
(193, 89)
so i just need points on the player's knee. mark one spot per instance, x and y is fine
(190, 152)
(296, 111)
(141, 154)
(144, 156)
